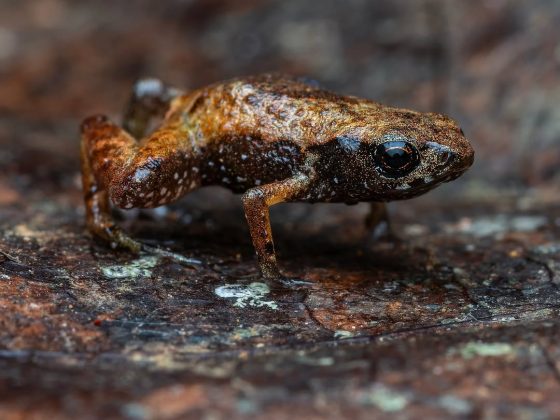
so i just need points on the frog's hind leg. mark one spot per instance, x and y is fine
(99, 147)
(149, 98)
(145, 174)
(106, 149)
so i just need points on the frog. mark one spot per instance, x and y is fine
(272, 138)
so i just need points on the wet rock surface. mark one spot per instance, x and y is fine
(459, 319)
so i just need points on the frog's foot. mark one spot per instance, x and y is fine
(277, 281)
(115, 237)
(290, 282)
(383, 232)
(379, 225)
(285, 284)
(119, 240)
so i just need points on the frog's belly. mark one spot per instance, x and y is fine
(246, 162)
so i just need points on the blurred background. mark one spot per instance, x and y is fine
(494, 65)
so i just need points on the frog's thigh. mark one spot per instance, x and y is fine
(149, 98)
(106, 148)
(126, 169)
(256, 203)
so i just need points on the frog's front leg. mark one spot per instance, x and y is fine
(149, 98)
(379, 224)
(256, 203)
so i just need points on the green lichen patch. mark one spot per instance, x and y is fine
(141, 267)
(247, 295)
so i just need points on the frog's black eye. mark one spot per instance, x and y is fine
(396, 158)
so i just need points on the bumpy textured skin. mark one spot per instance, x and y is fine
(271, 137)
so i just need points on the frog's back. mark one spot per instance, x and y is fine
(274, 107)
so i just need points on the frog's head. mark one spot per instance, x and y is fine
(407, 155)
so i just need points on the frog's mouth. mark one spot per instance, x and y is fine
(421, 186)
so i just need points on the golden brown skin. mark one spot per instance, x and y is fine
(274, 139)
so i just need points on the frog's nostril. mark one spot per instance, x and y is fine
(447, 158)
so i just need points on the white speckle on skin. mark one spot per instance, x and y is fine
(175, 175)
(192, 185)
(335, 179)
(243, 156)
(150, 194)
(141, 174)
(257, 182)
(163, 191)
(247, 295)
(194, 169)
(141, 194)
(240, 179)
(402, 187)
(428, 179)
(128, 205)
(180, 181)
(185, 173)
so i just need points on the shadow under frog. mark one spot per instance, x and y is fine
(272, 138)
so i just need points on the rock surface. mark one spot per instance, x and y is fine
(460, 319)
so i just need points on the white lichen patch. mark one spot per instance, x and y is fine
(341, 334)
(141, 267)
(385, 399)
(247, 295)
(473, 349)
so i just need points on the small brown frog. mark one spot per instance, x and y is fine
(274, 139)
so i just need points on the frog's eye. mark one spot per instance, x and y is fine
(396, 158)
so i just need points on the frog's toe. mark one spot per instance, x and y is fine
(125, 242)
(178, 258)
(287, 283)
(115, 237)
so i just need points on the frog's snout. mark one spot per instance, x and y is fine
(460, 162)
